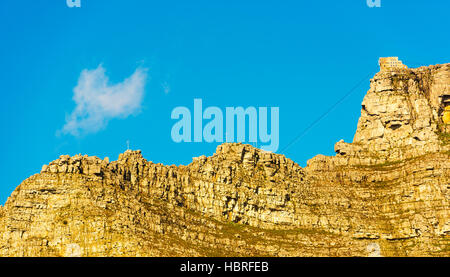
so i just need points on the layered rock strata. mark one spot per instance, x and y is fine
(386, 193)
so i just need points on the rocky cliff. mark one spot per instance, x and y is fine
(386, 193)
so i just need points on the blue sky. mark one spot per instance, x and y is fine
(301, 56)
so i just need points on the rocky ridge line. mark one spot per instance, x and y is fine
(386, 193)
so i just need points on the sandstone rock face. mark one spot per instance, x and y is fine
(385, 194)
(402, 116)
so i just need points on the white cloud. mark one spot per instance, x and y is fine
(97, 101)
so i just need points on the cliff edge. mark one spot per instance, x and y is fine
(384, 194)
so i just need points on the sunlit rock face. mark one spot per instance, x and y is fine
(384, 194)
(401, 115)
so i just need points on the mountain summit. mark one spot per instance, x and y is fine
(386, 193)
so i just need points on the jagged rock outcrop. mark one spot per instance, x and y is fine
(387, 193)
(401, 116)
